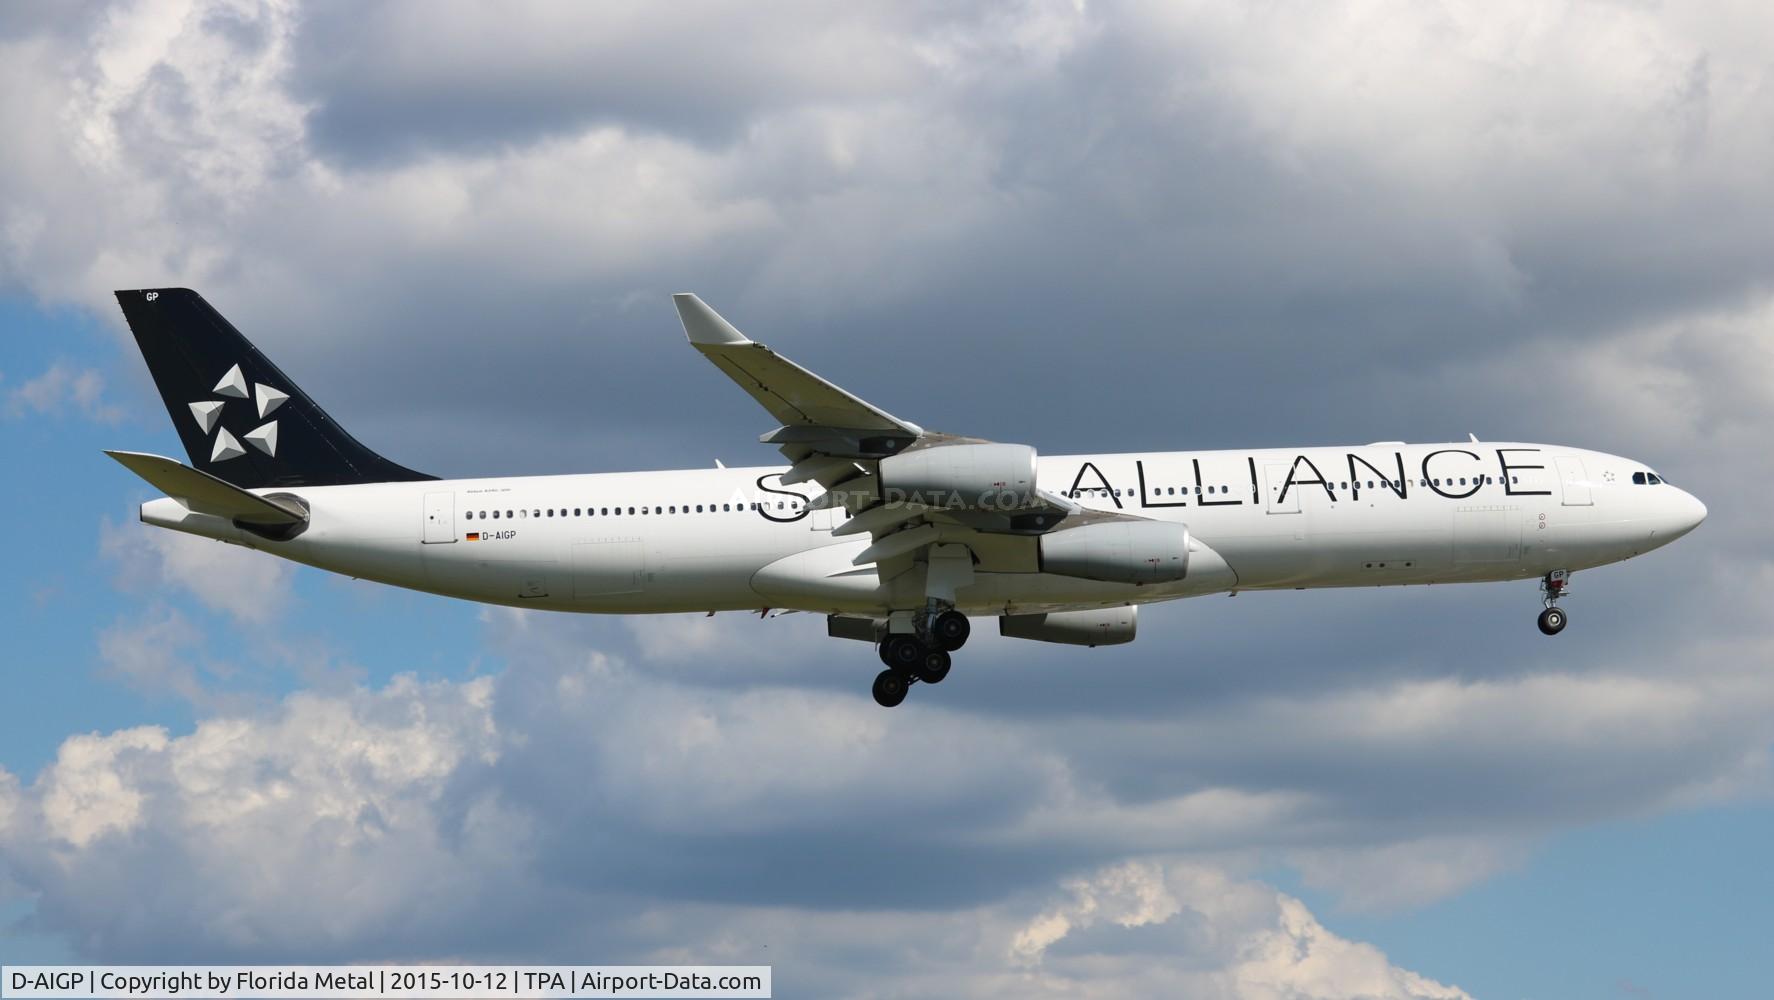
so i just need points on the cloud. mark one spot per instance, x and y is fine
(1141, 929)
(587, 776)
(1399, 876)
(156, 654)
(245, 585)
(302, 830)
(63, 390)
(383, 823)
(86, 796)
(1191, 186)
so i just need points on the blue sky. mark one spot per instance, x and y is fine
(1155, 228)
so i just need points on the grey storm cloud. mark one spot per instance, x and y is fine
(1219, 194)
(1104, 227)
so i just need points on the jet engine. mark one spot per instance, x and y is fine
(1093, 627)
(961, 476)
(1119, 552)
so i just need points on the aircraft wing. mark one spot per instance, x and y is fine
(793, 395)
(836, 439)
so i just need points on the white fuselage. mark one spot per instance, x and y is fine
(727, 539)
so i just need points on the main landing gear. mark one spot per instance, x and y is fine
(1553, 586)
(921, 656)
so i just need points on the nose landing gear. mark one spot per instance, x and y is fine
(1553, 586)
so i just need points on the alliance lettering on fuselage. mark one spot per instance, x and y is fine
(1394, 479)
(1508, 484)
(1434, 481)
(1396, 485)
(1091, 467)
(1139, 468)
(796, 512)
(1292, 481)
(1202, 497)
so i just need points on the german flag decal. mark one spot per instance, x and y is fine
(474, 536)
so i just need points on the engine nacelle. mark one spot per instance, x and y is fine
(1094, 627)
(961, 476)
(1119, 552)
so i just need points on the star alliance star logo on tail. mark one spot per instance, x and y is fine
(208, 414)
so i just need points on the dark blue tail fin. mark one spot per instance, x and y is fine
(241, 419)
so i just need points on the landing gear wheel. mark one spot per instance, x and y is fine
(902, 652)
(1552, 621)
(890, 688)
(950, 630)
(934, 667)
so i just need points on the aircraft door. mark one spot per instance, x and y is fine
(1574, 481)
(1275, 478)
(440, 518)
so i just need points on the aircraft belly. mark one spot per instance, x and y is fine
(825, 580)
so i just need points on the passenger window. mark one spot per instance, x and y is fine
(495, 514)
(469, 515)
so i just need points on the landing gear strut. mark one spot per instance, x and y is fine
(1553, 586)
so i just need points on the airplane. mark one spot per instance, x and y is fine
(897, 534)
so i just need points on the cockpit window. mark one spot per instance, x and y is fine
(1652, 476)
(1638, 479)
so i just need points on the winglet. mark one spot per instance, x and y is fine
(703, 325)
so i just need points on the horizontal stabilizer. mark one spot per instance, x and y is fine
(204, 493)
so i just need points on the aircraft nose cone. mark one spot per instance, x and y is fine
(1693, 512)
(1684, 515)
